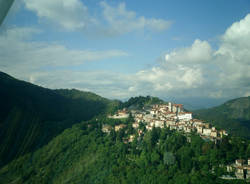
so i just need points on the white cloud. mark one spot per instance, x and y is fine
(106, 83)
(22, 55)
(48, 64)
(18, 33)
(199, 52)
(233, 56)
(73, 15)
(163, 80)
(191, 77)
(197, 70)
(70, 14)
(181, 70)
(157, 24)
(200, 71)
(120, 20)
(238, 34)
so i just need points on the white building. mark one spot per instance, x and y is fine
(119, 127)
(170, 122)
(119, 116)
(199, 129)
(106, 128)
(184, 116)
(135, 125)
(131, 138)
(177, 108)
(170, 115)
(148, 127)
(214, 133)
(159, 123)
(153, 112)
(207, 131)
(188, 129)
(169, 106)
(148, 117)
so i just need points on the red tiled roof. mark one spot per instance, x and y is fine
(178, 105)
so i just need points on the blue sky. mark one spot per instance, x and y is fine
(118, 49)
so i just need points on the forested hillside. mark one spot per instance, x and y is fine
(57, 136)
(30, 116)
(234, 116)
(84, 154)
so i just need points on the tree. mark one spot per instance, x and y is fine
(168, 158)
(155, 158)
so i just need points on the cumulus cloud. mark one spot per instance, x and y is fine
(162, 80)
(69, 14)
(200, 51)
(233, 56)
(73, 15)
(180, 70)
(201, 71)
(120, 20)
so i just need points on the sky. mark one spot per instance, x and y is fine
(119, 49)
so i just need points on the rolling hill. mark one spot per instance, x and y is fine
(30, 115)
(233, 115)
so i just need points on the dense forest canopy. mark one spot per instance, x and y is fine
(84, 154)
(141, 101)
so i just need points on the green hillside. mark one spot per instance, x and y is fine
(141, 101)
(233, 116)
(83, 154)
(55, 136)
(82, 97)
(30, 116)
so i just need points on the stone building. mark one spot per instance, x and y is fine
(106, 128)
(239, 173)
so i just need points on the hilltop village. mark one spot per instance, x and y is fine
(240, 168)
(168, 115)
(174, 117)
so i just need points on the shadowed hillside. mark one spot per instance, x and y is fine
(31, 115)
(233, 116)
(84, 154)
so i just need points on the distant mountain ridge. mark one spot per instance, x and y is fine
(233, 115)
(239, 108)
(30, 115)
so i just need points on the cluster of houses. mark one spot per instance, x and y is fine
(107, 128)
(240, 168)
(174, 117)
(168, 115)
(120, 114)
